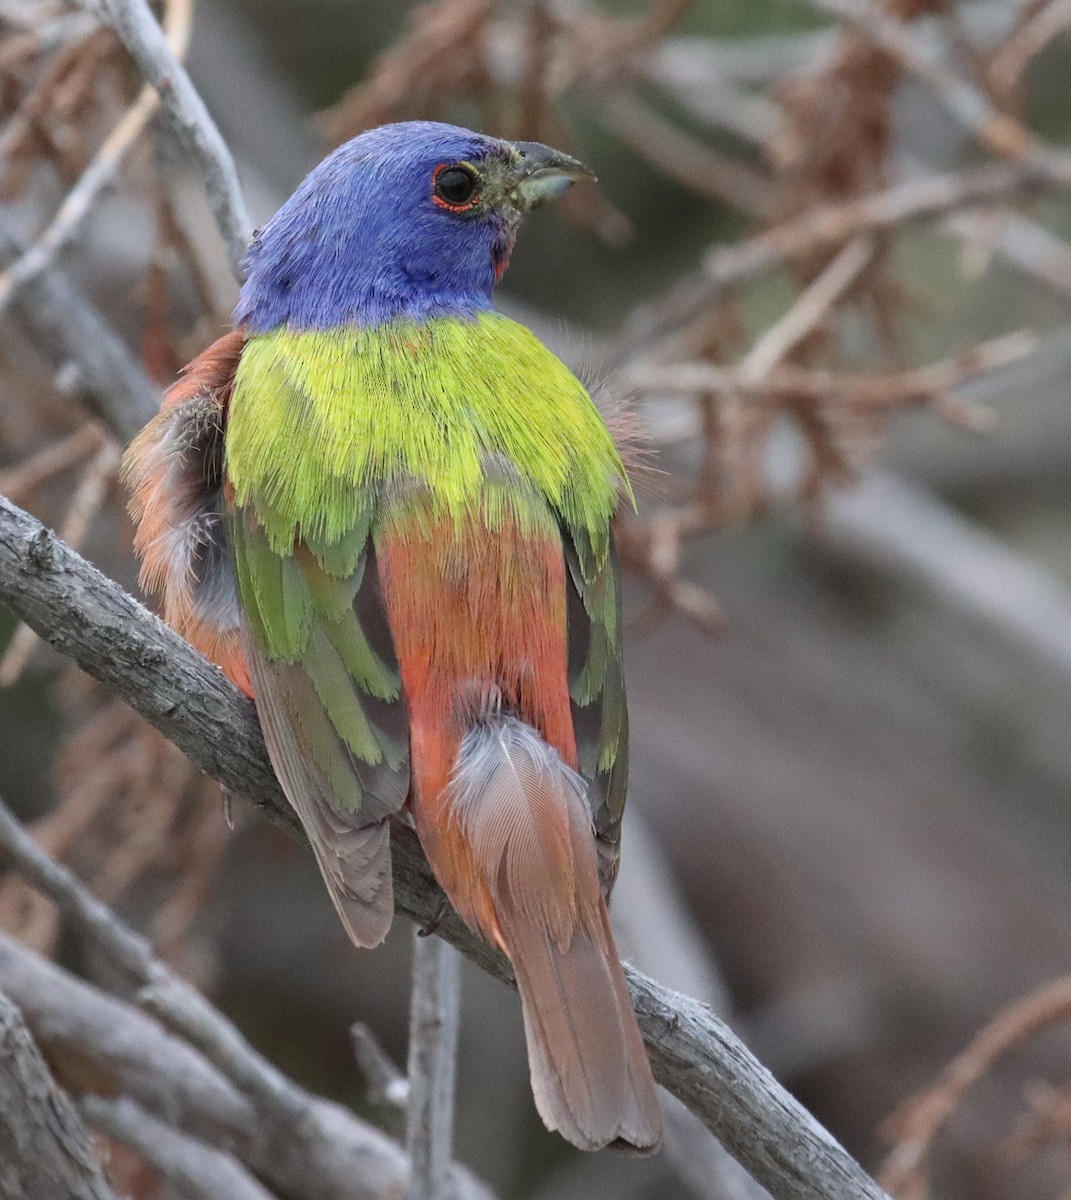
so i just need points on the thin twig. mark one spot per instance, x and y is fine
(1024, 244)
(68, 27)
(657, 326)
(653, 547)
(996, 130)
(162, 992)
(66, 328)
(809, 310)
(434, 1014)
(65, 76)
(921, 385)
(281, 1103)
(21, 481)
(920, 1120)
(685, 72)
(692, 164)
(386, 1084)
(186, 113)
(65, 225)
(104, 1045)
(1012, 58)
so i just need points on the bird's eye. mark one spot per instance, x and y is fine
(456, 186)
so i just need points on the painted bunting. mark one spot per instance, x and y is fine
(383, 508)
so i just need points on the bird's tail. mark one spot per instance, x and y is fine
(524, 816)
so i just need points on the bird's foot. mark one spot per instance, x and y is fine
(437, 919)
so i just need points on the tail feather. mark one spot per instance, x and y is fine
(524, 816)
(590, 1076)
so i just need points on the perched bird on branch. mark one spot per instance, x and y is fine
(384, 510)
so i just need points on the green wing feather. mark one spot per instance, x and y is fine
(597, 689)
(323, 670)
(328, 696)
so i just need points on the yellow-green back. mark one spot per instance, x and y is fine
(321, 421)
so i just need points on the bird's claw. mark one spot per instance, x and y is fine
(437, 919)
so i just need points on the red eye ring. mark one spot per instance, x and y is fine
(455, 186)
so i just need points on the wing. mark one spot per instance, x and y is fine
(305, 633)
(597, 689)
(326, 683)
(174, 469)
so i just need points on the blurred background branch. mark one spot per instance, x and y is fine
(434, 1016)
(45, 1148)
(320, 1147)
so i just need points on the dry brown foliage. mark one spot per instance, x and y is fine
(134, 818)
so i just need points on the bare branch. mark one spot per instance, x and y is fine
(198, 1171)
(101, 171)
(693, 1054)
(684, 158)
(186, 113)
(102, 1045)
(434, 1014)
(67, 329)
(161, 991)
(386, 1084)
(43, 37)
(994, 129)
(829, 226)
(920, 1120)
(1011, 58)
(55, 459)
(692, 72)
(85, 505)
(920, 385)
(809, 310)
(45, 1151)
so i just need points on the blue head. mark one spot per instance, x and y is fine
(407, 221)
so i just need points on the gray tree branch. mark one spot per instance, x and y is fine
(694, 1055)
(101, 1046)
(186, 114)
(199, 1172)
(654, 327)
(98, 174)
(67, 329)
(281, 1104)
(434, 1015)
(45, 1150)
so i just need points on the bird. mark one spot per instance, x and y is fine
(383, 509)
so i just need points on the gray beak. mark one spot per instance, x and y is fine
(544, 174)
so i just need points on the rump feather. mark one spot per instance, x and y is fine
(524, 818)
